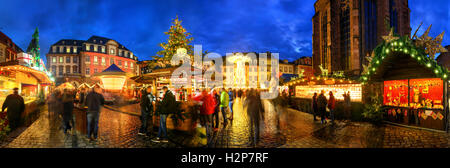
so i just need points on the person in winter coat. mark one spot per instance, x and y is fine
(206, 111)
(331, 106)
(67, 100)
(215, 115)
(224, 100)
(15, 107)
(255, 113)
(146, 106)
(167, 107)
(322, 105)
(94, 101)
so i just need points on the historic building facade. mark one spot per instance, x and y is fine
(345, 31)
(77, 59)
(8, 49)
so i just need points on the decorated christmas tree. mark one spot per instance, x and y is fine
(34, 49)
(178, 38)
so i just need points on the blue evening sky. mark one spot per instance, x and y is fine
(221, 26)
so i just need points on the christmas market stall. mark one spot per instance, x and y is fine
(33, 86)
(160, 77)
(117, 85)
(412, 86)
(303, 89)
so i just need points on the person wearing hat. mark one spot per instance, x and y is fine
(16, 105)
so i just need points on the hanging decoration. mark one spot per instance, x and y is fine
(430, 45)
(417, 47)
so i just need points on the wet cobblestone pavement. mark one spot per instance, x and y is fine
(288, 128)
(282, 128)
(116, 130)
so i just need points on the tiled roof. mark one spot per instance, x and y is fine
(70, 42)
(102, 41)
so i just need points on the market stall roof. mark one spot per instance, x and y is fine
(161, 72)
(66, 85)
(41, 76)
(401, 59)
(112, 70)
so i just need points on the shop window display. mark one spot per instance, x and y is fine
(396, 93)
(426, 93)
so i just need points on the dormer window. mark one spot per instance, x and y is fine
(75, 42)
(63, 42)
(94, 40)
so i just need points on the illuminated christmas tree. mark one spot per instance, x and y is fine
(35, 50)
(178, 38)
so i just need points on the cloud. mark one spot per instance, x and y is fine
(221, 26)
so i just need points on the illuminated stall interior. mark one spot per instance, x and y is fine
(31, 82)
(412, 93)
(306, 87)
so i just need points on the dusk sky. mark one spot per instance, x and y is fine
(221, 26)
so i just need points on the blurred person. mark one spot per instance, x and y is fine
(94, 101)
(15, 107)
(322, 105)
(206, 110)
(215, 115)
(348, 109)
(255, 113)
(67, 115)
(314, 106)
(331, 106)
(231, 100)
(147, 104)
(224, 100)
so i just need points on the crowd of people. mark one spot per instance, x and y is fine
(323, 107)
(61, 105)
(214, 102)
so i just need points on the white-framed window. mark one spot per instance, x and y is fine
(88, 59)
(95, 70)
(111, 51)
(95, 59)
(61, 59)
(103, 49)
(126, 64)
(120, 52)
(54, 49)
(75, 50)
(87, 47)
(61, 49)
(54, 59)
(88, 71)
(131, 55)
(131, 65)
(95, 48)
(67, 49)
(103, 61)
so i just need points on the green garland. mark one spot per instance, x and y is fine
(405, 45)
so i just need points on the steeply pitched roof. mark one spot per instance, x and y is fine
(113, 68)
(4, 39)
(70, 42)
(102, 41)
